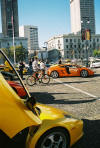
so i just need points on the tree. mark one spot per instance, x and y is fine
(21, 53)
(96, 53)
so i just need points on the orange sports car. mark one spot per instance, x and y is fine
(64, 70)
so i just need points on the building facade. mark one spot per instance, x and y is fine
(71, 46)
(6, 42)
(82, 15)
(31, 33)
(9, 14)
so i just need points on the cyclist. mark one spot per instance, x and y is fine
(35, 67)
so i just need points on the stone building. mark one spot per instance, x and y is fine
(71, 46)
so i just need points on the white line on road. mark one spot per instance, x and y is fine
(84, 92)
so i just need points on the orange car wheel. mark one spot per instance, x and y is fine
(84, 73)
(54, 74)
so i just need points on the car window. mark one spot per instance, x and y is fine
(96, 61)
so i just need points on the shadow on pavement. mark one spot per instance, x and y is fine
(48, 98)
(91, 138)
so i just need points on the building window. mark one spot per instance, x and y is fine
(78, 40)
(78, 46)
(74, 40)
(58, 41)
(66, 46)
(97, 40)
(8, 44)
(74, 46)
(82, 45)
(21, 43)
(66, 40)
(67, 52)
(71, 40)
(70, 46)
(93, 40)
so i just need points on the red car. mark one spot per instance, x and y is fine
(18, 88)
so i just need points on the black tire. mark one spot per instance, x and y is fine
(30, 80)
(84, 73)
(54, 74)
(54, 137)
(45, 79)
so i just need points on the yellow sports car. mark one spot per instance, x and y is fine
(7, 68)
(25, 123)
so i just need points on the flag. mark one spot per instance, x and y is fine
(12, 20)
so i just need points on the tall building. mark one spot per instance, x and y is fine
(9, 14)
(82, 15)
(30, 32)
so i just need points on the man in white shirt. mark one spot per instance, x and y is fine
(35, 67)
(42, 67)
(35, 64)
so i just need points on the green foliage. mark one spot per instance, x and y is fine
(96, 53)
(20, 52)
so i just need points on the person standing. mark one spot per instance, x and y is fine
(21, 67)
(30, 66)
(60, 62)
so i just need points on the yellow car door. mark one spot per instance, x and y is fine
(14, 115)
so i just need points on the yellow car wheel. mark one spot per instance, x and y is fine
(54, 138)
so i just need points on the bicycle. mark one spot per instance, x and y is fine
(41, 78)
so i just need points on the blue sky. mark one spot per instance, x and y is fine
(51, 16)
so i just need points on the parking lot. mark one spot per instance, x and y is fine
(80, 96)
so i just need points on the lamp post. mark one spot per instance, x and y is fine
(87, 53)
(86, 35)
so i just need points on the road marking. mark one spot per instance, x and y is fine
(77, 89)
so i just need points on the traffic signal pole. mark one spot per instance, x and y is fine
(86, 35)
(87, 61)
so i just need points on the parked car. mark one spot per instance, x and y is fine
(7, 68)
(18, 89)
(8, 75)
(95, 64)
(25, 123)
(66, 70)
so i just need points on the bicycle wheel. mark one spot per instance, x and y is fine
(30, 80)
(45, 79)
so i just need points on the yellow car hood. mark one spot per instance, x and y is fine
(49, 112)
(14, 115)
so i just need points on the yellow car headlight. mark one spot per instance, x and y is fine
(71, 117)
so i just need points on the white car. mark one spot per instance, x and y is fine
(95, 64)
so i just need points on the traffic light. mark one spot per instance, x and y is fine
(88, 34)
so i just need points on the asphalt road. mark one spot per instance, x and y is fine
(80, 96)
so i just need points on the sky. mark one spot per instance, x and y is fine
(52, 17)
